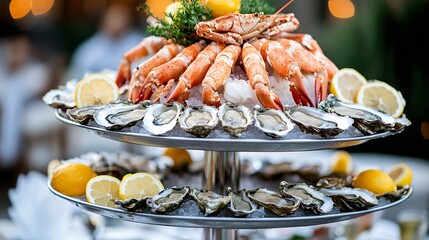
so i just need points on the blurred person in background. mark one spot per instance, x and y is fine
(105, 48)
(22, 78)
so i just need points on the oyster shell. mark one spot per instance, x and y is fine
(83, 115)
(209, 202)
(199, 120)
(234, 118)
(272, 122)
(273, 201)
(63, 97)
(161, 118)
(395, 195)
(351, 199)
(240, 204)
(120, 115)
(311, 200)
(367, 120)
(334, 182)
(168, 199)
(316, 121)
(133, 205)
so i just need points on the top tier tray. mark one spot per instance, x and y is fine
(306, 143)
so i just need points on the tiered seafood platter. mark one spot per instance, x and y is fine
(237, 82)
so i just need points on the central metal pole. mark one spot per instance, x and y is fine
(221, 170)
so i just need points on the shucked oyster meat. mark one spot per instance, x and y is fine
(209, 202)
(199, 121)
(82, 115)
(351, 199)
(168, 199)
(316, 121)
(240, 204)
(234, 118)
(161, 118)
(274, 201)
(272, 122)
(311, 200)
(120, 115)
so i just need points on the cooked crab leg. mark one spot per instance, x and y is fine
(311, 45)
(284, 65)
(138, 80)
(310, 64)
(258, 77)
(170, 70)
(235, 28)
(217, 74)
(195, 73)
(147, 46)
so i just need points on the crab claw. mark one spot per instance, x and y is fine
(267, 98)
(210, 96)
(180, 91)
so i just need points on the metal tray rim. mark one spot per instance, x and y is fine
(220, 144)
(223, 222)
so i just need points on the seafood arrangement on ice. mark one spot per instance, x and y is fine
(243, 70)
(329, 193)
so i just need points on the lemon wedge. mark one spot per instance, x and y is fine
(140, 185)
(375, 181)
(96, 89)
(382, 97)
(103, 190)
(401, 174)
(180, 157)
(346, 83)
(71, 178)
(341, 163)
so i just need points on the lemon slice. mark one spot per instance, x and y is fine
(103, 190)
(375, 181)
(401, 174)
(346, 83)
(382, 97)
(140, 185)
(96, 89)
(342, 163)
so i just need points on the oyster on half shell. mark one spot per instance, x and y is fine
(120, 115)
(234, 118)
(63, 97)
(240, 204)
(199, 120)
(311, 200)
(84, 114)
(316, 121)
(209, 202)
(168, 199)
(351, 199)
(367, 120)
(161, 118)
(133, 205)
(273, 201)
(272, 122)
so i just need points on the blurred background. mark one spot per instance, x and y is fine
(44, 43)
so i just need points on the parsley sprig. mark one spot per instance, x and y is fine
(256, 6)
(181, 29)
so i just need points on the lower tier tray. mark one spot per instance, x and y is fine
(226, 222)
(218, 140)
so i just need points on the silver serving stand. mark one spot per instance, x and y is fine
(222, 170)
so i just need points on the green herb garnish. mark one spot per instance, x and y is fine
(181, 29)
(256, 6)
